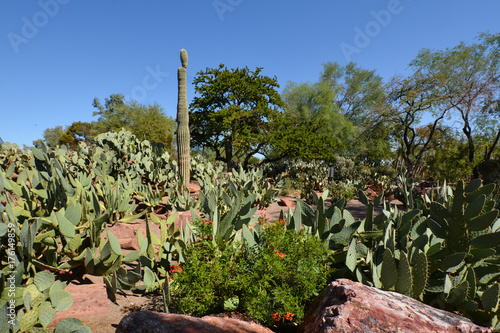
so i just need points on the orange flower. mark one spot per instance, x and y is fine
(276, 316)
(281, 255)
(175, 269)
(289, 316)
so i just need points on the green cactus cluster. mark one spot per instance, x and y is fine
(444, 251)
(41, 297)
(61, 201)
(147, 161)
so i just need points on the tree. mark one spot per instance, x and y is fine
(77, 131)
(412, 98)
(447, 157)
(147, 122)
(315, 103)
(301, 139)
(113, 116)
(345, 104)
(467, 77)
(52, 136)
(358, 92)
(233, 112)
(313, 122)
(150, 122)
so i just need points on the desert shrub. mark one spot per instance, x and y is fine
(272, 282)
(289, 269)
(308, 177)
(340, 189)
(212, 275)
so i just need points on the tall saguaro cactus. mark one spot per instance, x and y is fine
(183, 136)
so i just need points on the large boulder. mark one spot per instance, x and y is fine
(346, 306)
(155, 322)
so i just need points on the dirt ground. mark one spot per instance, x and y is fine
(92, 306)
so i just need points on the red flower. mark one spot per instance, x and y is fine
(289, 316)
(175, 269)
(276, 316)
(276, 251)
(281, 255)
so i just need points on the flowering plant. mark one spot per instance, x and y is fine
(272, 282)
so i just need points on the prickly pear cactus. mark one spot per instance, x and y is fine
(183, 136)
(41, 297)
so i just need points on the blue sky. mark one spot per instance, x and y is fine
(57, 55)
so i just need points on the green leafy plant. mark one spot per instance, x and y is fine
(342, 190)
(272, 280)
(212, 274)
(289, 269)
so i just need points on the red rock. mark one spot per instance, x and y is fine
(371, 194)
(89, 300)
(193, 188)
(377, 188)
(155, 322)
(346, 306)
(126, 233)
(287, 203)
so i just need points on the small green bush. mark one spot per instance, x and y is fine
(289, 269)
(339, 190)
(272, 282)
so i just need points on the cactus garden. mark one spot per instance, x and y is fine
(251, 211)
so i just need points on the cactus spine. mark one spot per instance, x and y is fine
(183, 136)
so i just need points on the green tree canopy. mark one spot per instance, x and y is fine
(77, 131)
(345, 106)
(112, 116)
(52, 136)
(145, 121)
(233, 111)
(310, 109)
(358, 92)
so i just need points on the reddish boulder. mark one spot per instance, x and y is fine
(193, 187)
(89, 300)
(287, 203)
(126, 233)
(377, 188)
(155, 322)
(347, 306)
(371, 194)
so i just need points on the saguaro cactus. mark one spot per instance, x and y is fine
(183, 136)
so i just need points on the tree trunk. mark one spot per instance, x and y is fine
(470, 141)
(229, 154)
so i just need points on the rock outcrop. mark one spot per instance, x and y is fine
(346, 306)
(286, 203)
(155, 322)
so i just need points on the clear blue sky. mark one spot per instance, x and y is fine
(57, 55)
